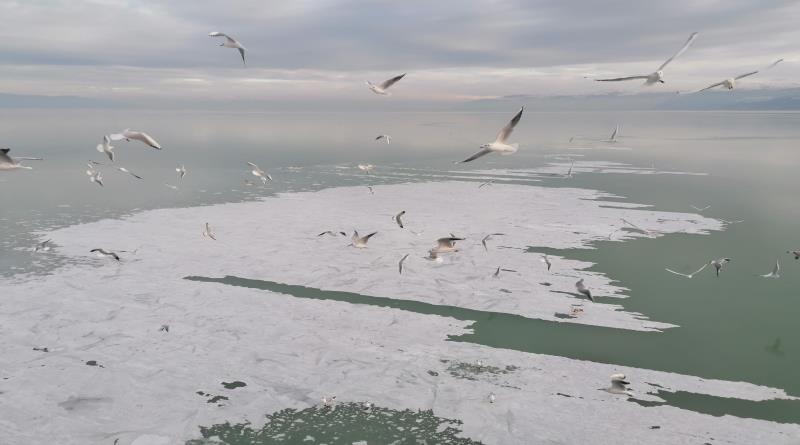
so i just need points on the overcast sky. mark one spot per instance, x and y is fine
(310, 50)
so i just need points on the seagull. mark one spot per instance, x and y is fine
(9, 163)
(94, 176)
(371, 191)
(366, 406)
(106, 148)
(140, 136)
(230, 42)
(125, 170)
(447, 244)
(569, 172)
(381, 89)
(618, 385)
(181, 171)
(260, 173)
(499, 145)
(366, 167)
(492, 397)
(613, 138)
(489, 182)
(104, 253)
(649, 233)
(207, 232)
(360, 241)
(691, 275)
(582, 289)
(658, 75)
(173, 187)
(796, 253)
(488, 237)
(398, 220)
(43, 246)
(497, 272)
(164, 328)
(331, 233)
(776, 271)
(730, 83)
(400, 264)
(328, 402)
(700, 209)
(718, 263)
(546, 260)
(385, 137)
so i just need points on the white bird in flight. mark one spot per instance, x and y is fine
(400, 264)
(658, 75)
(125, 170)
(94, 176)
(700, 209)
(446, 244)
(106, 148)
(488, 237)
(43, 246)
(584, 290)
(140, 136)
(230, 42)
(718, 263)
(499, 145)
(776, 271)
(105, 253)
(381, 89)
(260, 173)
(618, 385)
(384, 137)
(484, 184)
(613, 138)
(691, 275)
(366, 167)
(730, 83)
(181, 171)
(208, 233)
(398, 219)
(9, 163)
(497, 271)
(546, 260)
(361, 241)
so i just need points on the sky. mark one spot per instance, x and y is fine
(311, 51)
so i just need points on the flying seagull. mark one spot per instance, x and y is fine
(207, 232)
(488, 237)
(658, 75)
(43, 246)
(497, 272)
(105, 253)
(569, 172)
(385, 137)
(613, 138)
(260, 173)
(94, 176)
(140, 136)
(230, 42)
(173, 187)
(381, 89)
(9, 163)
(618, 385)
(400, 264)
(331, 233)
(649, 233)
(447, 244)
(489, 182)
(398, 220)
(718, 263)
(106, 148)
(700, 209)
(546, 260)
(360, 241)
(776, 271)
(125, 170)
(796, 253)
(371, 191)
(366, 167)
(730, 83)
(691, 275)
(499, 145)
(582, 289)
(181, 171)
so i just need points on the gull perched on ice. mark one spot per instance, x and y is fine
(43, 246)
(730, 83)
(230, 42)
(105, 253)
(94, 176)
(106, 148)
(9, 163)
(207, 232)
(718, 263)
(691, 275)
(361, 241)
(140, 136)
(499, 145)
(381, 89)
(618, 385)
(366, 167)
(776, 271)
(260, 173)
(488, 237)
(583, 290)
(796, 253)
(181, 171)
(658, 75)
(398, 218)
(546, 260)
(400, 264)
(385, 137)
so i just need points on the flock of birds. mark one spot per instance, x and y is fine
(444, 245)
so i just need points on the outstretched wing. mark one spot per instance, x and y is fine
(509, 128)
(712, 86)
(477, 155)
(387, 83)
(680, 51)
(241, 51)
(618, 79)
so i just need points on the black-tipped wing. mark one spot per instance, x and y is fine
(387, 83)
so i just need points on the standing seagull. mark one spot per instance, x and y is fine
(691, 275)
(140, 136)
(400, 264)
(181, 171)
(360, 241)
(385, 137)
(618, 385)
(546, 260)
(398, 220)
(499, 145)
(106, 148)
(207, 232)
(658, 75)
(105, 253)
(730, 83)
(381, 89)
(488, 237)
(9, 163)
(582, 289)
(260, 173)
(230, 42)
(776, 271)
(718, 263)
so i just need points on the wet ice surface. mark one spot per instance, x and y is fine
(151, 385)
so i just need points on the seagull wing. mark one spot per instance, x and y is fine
(617, 79)
(742, 76)
(29, 159)
(680, 51)
(477, 155)
(400, 264)
(387, 83)
(366, 238)
(678, 273)
(241, 51)
(711, 86)
(4, 157)
(700, 269)
(509, 128)
(218, 34)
